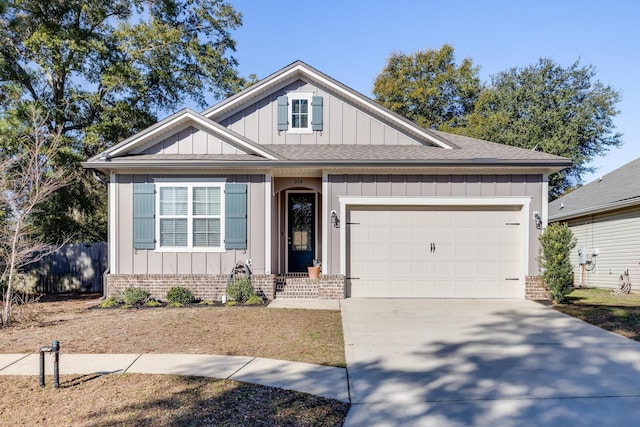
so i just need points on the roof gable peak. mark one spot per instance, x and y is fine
(300, 70)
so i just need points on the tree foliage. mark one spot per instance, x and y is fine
(103, 69)
(28, 179)
(556, 243)
(559, 110)
(550, 108)
(428, 87)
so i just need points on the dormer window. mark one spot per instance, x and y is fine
(299, 112)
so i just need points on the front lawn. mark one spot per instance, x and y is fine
(310, 336)
(616, 313)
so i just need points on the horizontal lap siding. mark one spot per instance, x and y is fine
(130, 261)
(616, 235)
(432, 186)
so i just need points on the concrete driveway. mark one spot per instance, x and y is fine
(486, 363)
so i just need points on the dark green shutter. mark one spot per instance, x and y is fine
(283, 113)
(316, 111)
(144, 210)
(235, 206)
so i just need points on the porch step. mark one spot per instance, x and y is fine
(296, 287)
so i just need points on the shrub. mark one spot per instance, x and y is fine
(556, 243)
(109, 303)
(254, 300)
(133, 296)
(180, 295)
(231, 303)
(153, 303)
(240, 289)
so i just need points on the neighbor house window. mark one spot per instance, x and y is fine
(190, 216)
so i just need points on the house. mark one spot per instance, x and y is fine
(299, 167)
(604, 217)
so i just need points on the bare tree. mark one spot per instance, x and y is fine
(27, 179)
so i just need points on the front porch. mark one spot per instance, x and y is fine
(300, 286)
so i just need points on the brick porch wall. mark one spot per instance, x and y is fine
(325, 287)
(534, 289)
(203, 286)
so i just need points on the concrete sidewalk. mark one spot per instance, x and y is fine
(325, 381)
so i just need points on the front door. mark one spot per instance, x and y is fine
(301, 238)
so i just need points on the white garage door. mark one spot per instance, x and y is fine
(434, 252)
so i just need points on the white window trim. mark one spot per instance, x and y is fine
(190, 184)
(308, 96)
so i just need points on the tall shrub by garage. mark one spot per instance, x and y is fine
(556, 243)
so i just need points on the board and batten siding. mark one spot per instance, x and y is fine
(190, 140)
(343, 122)
(143, 261)
(432, 186)
(616, 235)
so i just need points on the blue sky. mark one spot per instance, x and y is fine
(350, 40)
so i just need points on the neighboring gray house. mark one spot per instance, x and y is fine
(604, 216)
(300, 167)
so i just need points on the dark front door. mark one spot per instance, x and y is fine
(301, 238)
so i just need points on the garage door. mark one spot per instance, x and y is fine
(434, 252)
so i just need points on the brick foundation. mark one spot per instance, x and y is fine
(534, 289)
(325, 287)
(203, 286)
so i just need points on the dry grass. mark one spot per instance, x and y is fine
(311, 336)
(615, 313)
(166, 400)
(160, 400)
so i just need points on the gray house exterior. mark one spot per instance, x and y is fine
(604, 216)
(299, 167)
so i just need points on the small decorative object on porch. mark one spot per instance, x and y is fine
(624, 284)
(314, 270)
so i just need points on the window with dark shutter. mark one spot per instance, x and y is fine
(144, 206)
(235, 216)
(283, 113)
(316, 113)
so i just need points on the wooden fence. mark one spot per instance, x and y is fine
(72, 268)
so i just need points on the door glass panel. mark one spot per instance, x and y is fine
(301, 223)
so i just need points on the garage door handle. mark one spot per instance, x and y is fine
(511, 278)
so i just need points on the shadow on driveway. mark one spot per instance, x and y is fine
(485, 362)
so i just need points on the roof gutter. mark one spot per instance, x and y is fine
(261, 164)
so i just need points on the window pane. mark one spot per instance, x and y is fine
(173, 232)
(206, 201)
(206, 232)
(173, 200)
(300, 113)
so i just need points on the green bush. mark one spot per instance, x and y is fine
(109, 303)
(254, 300)
(133, 296)
(180, 295)
(240, 290)
(153, 303)
(231, 303)
(556, 243)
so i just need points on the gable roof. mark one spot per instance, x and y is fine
(180, 120)
(300, 70)
(617, 189)
(434, 148)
